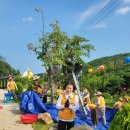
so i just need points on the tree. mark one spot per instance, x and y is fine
(57, 50)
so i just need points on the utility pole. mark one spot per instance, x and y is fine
(40, 10)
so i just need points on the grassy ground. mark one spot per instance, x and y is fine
(40, 126)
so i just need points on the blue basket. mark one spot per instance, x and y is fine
(7, 97)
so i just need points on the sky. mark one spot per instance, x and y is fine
(20, 24)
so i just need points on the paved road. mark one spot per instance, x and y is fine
(10, 115)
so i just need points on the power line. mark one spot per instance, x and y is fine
(99, 12)
(105, 11)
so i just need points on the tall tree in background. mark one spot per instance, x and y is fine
(57, 49)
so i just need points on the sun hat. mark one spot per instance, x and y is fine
(36, 77)
(10, 77)
(98, 94)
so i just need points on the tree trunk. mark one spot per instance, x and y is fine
(50, 72)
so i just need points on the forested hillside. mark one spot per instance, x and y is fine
(5, 68)
(114, 77)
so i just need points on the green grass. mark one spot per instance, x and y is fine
(40, 126)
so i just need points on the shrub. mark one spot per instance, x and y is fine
(121, 120)
(20, 88)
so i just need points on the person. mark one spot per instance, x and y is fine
(86, 97)
(118, 104)
(59, 91)
(36, 87)
(92, 108)
(67, 104)
(100, 102)
(126, 99)
(11, 86)
(43, 95)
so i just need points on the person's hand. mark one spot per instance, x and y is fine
(67, 103)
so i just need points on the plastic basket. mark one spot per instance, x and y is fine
(7, 97)
(28, 118)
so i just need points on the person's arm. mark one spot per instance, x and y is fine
(76, 104)
(58, 104)
(114, 106)
(15, 86)
(8, 86)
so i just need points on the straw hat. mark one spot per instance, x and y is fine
(98, 94)
(36, 77)
(10, 77)
(120, 99)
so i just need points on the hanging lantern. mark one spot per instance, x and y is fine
(127, 59)
(101, 67)
(90, 70)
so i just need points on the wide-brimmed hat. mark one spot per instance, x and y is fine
(98, 94)
(120, 99)
(10, 77)
(36, 77)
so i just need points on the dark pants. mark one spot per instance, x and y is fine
(94, 116)
(63, 125)
(44, 100)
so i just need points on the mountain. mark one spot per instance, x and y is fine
(108, 60)
(5, 68)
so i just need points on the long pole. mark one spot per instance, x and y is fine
(79, 94)
(42, 23)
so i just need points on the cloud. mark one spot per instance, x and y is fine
(100, 25)
(91, 11)
(27, 19)
(126, 1)
(123, 10)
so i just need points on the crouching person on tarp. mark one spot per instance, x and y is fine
(67, 104)
(92, 108)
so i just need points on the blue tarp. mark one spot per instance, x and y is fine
(31, 103)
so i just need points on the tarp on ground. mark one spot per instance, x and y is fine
(31, 103)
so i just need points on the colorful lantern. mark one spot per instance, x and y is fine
(127, 59)
(101, 67)
(90, 70)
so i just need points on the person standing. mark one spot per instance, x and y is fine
(100, 102)
(11, 86)
(67, 104)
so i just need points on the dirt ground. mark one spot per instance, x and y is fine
(10, 115)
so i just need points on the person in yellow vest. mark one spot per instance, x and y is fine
(100, 102)
(36, 87)
(118, 104)
(11, 86)
(86, 97)
(59, 91)
(67, 104)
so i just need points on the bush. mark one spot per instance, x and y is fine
(110, 100)
(20, 88)
(121, 120)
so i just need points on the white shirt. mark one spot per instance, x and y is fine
(72, 107)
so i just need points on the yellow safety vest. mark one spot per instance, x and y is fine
(118, 104)
(59, 92)
(102, 102)
(11, 85)
(66, 113)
